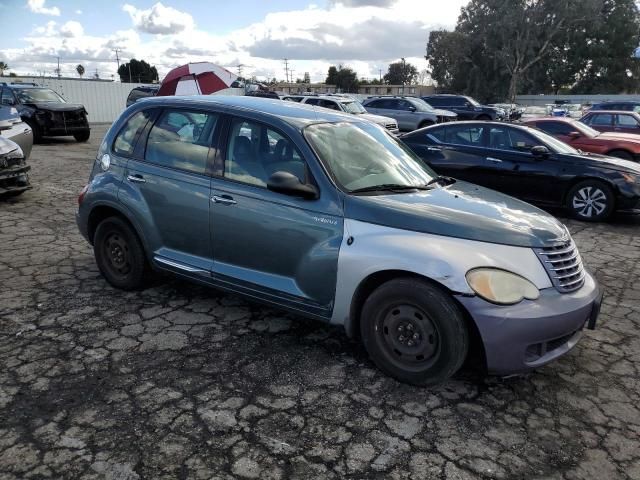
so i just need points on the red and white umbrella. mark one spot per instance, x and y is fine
(201, 78)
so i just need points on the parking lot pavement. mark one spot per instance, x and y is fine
(179, 381)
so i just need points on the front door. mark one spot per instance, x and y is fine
(167, 188)
(276, 247)
(517, 171)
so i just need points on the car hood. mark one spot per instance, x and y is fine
(460, 210)
(7, 146)
(627, 137)
(445, 113)
(56, 107)
(379, 119)
(604, 161)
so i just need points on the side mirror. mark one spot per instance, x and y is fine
(412, 108)
(574, 135)
(468, 104)
(540, 151)
(288, 184)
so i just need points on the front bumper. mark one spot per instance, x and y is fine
(14, 179)
(522, 337)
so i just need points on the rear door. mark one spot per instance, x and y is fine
(457, 151)
(274, 246)
(603, 121)
(167, 188)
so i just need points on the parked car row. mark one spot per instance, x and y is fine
(16, 140)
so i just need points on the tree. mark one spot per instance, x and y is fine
(344, 78)
(3, 68)
(401, 73)
(500, 48)
(137, 71)
(80, 70)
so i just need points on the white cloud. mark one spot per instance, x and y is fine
(37, 6)
(159, 19)
(72, 29)
(365, 36)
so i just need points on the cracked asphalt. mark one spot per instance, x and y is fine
(181, 381)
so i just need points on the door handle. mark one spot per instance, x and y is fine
(223, 199)
(494, 160)
(434, 149)
(136, 178)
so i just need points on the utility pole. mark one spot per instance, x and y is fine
(404, 74)
(129, 71)
(58, 69)
(286, 70)
(117, 50)
(380, 73)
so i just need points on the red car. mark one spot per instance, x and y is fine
(585, 138)
(613, 121)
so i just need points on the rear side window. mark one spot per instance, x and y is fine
(504, 138)
(464, 135)
(433, 101)
(312, 101)
(601, 119)
(330, 104)
(125, 141)
(180, 139)
(6, 97)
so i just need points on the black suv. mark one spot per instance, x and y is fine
(628, 106)
(142, 92)
(466, 107)
(46, 112)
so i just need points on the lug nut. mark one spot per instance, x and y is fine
(410, 326)
(401, 338)
(410, 343)
(400, 328)
(416, 336)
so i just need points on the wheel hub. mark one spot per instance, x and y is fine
(408, 335)
(117, 252)
(589, 201)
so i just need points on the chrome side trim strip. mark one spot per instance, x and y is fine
(180, 266)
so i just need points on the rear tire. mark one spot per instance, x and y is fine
(621, 154)
(119, 254)
(82, 136)
(484, 118)
(591, 201)
(414, 332)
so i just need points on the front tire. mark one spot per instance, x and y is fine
(484, 118)
(82, 136)
(35, 129)
(414, 332)
(591, 201)
(119, 254)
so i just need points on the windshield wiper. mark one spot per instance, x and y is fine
(442, 180)
(390, 187)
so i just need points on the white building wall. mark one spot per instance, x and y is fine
(541, 100)
(104, 100)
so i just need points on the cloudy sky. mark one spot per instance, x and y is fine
(364, 34)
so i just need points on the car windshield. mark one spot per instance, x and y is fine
(353, 107)
(472, 101)
(553, 143)
(421, 105)
(34, 95)
(363, 155)
(585, 129)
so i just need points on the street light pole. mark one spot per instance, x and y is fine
(404, 73)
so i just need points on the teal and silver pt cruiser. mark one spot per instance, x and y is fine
(330, 217)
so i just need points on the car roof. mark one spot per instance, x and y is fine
(620, 112)
(633, 102)
(293, 113)
(20, 85)
(522, 126)
(551, 119)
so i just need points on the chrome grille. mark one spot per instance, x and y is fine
(564, 266)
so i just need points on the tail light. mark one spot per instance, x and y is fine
(83, 192)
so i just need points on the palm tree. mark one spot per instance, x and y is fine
(80, 70)
(3, 67)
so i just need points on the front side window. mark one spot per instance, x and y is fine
(330, 105)
(626, 121)
(180, 139)
(362, 155)
(255, 152)
(470, 135)
(312, 101)
(125, 141)
(510, 139)
(7, 97)
(353, 107)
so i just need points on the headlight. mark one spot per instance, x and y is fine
(500, 286)
(17, 153)
(629, 178)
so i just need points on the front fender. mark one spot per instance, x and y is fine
(368, 249)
